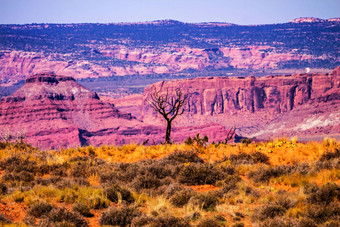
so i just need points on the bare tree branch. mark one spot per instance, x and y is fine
(169, 106)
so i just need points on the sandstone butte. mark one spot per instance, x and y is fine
(54, 111)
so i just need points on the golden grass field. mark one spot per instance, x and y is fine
(274, 183)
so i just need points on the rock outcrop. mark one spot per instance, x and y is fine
(303, 104)
(54, 111)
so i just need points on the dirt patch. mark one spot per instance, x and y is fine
(13, 211)
(203, 188)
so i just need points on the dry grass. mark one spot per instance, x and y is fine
(247, 191)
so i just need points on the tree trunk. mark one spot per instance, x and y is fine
(168, 131)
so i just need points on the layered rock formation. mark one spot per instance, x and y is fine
(17, 65)
(54, 111)
(307, 105)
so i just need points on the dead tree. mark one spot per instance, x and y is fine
(169, 106)
(230, 135)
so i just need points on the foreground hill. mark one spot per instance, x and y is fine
(277, 183)
(165, 48)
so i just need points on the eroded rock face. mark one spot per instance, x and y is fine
(252, 104)
(54, 111)
(17, 65)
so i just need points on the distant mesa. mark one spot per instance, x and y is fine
(313, 20)
(48, 78)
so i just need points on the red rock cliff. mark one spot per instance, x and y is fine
(252, 103)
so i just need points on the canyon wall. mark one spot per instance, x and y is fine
(252, 103)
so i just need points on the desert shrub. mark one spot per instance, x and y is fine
(330, 155)
(181, 198)
(323, 195)
(237, 224)
(328, 160)
(331, 223)
(119, 216)
(279, 221)
(307, 222)
(263, 174)
(220, 218)
(82, 209)
(285, 201)
(3, 188)
(303, 168)
(29, 220)
(51, 180)
(4, 220)
(59, 169)
(142, 221)
(39, 209)
(227, 170)
(321, 214)
(208, 222)
(252, 158)
(183, 157)
(146, 182)
(230, 183)
(114, 192)
(17, 164)
(81, 181)
(163, 221)
(79, 169)
(62, 217)
(269, 211)
(156, 169)
(21, 176)
(126, 172)
(199, 174)
(206, 201)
